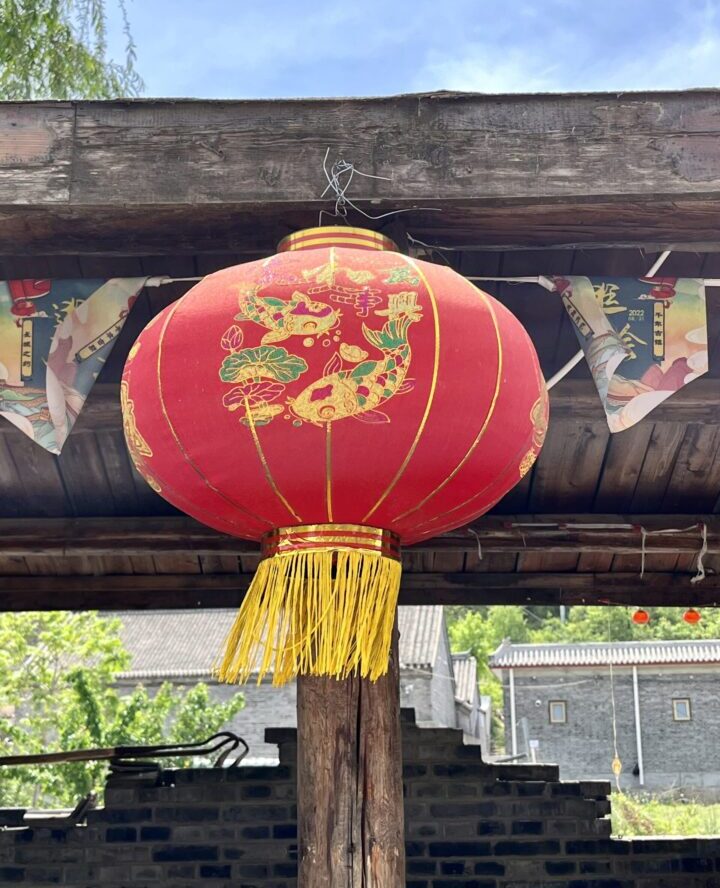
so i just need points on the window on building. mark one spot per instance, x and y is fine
(558, 712)
(682, 711)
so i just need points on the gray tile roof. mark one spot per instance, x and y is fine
(420, 631)
(466, 681)
(618, 653)
(185, 643)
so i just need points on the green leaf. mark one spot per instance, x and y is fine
(266, 361)
(58, 50)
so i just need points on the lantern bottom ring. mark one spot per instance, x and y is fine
(322, 602)
(331, 537)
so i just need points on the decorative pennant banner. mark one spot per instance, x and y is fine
(54, 338)
(643, 338)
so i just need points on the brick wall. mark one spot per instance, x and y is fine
(675, 754)
(469, 825)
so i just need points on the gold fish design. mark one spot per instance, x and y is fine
(298, 316)
(360, 390)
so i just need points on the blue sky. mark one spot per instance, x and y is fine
(252, 49)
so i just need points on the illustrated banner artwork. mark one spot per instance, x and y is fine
(55, 336)
(643, 338)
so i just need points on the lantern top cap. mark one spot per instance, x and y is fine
(336, 236)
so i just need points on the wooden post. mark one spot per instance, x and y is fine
(350, 795)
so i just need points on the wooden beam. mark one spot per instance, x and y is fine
(167, 591)
(571, 399)
(171, 175)
(617, 534)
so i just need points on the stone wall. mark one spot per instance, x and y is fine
(469, 825)
(676, 754)
(267, 705)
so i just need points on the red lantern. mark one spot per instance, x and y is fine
(641, 617)
(692, 616)
(332, 401)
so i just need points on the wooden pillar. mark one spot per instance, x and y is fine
(350, 795)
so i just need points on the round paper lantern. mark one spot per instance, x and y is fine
(334, 401)
(641, 617)
(692, 616)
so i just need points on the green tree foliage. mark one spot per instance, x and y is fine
(481, 631)
(57, 692)
(57, 49)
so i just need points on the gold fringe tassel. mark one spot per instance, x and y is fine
(315, 612)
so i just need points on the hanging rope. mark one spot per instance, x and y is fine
(700, 575)
(477, 537)
(700, 567)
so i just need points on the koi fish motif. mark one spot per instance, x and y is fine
(298, 316)
(360, 390)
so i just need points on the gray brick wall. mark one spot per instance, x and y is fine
(676, 754)
(430, 694)
(469, 825)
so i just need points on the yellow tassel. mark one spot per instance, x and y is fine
(315, 612)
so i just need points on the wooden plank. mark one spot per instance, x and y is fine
(116, 464)
(160, 152)
(219, 564)
(529, 562)
(162, 175)
(36, 145)
(567, 470)
(37, 470)
(594, 562)
(21, 593)
(117, 564)
(696, 472)
(500, 538)
(178, 563)
(84, 477)
(13, 492)
(662, 451)
(624, 461)
(13, 566)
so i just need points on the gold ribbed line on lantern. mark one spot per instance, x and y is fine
(322, 602)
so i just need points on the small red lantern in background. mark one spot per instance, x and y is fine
(641, 617)
(333, 401)
(692, 616)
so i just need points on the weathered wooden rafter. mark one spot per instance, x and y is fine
(158, 176)
(516, 534)
(167, 591)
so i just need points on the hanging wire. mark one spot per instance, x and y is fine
(616, 762)
(339, 178)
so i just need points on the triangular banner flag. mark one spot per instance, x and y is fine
(643, 338)
(55, 336)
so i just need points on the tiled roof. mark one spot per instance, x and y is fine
(185, 643)
(420, 632)
(465, 669)
(618, 653)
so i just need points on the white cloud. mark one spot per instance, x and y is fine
(485, 69)
(680, 58)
